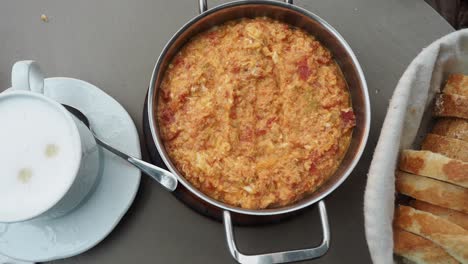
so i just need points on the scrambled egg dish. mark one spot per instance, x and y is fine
(255, 113)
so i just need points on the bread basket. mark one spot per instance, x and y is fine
(408, 120)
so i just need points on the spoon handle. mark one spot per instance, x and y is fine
(165, 178)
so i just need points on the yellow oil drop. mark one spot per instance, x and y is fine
(51, 150)
(24, 175)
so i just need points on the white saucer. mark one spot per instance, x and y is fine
(7, 260)
(50, 239)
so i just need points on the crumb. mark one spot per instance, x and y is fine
(439, 104)
(44, 18)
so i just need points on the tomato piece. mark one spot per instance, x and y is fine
(167, 116)
(183, 98)
(260, 132)
(348, 118)
(317, 159)
(213, 37)
(270, 121)
(247, 135)
(178, 61)
(313, 169)
(166, 95)
(233, 114)
(303, 69)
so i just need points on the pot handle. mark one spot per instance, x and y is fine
(279, 257)
(203, 5)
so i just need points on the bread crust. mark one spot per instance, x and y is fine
(451, 105)
(433, 191)
(450, 147)
(453, 216)
(449, 236)
(433, 165)
(419, 249)
(456, 84)
(452, 127)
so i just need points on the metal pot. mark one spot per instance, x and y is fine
(344, 56)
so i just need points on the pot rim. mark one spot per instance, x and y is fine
(272, 211)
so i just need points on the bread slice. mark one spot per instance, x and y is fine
(451, 105)
(453, 216)
(449, 236)
(434, 165)
(457, 84)
(450, 147)
(419, 249)
(452, 127)
(433, 191)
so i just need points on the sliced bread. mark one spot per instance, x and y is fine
(453, 216)
(419, 249)
(451, 105)
(450, 147)
(449, 236)
(452, 127)
(433, 191)
(457, 84)
(437, 166)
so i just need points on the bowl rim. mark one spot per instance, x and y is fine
(261, 212)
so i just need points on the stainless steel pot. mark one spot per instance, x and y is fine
(344, 56)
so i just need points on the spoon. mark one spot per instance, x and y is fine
(165, 178)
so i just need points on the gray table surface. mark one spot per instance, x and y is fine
(114, 45)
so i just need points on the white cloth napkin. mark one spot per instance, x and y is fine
(407, 120)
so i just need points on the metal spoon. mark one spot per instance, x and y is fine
(165, 178)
